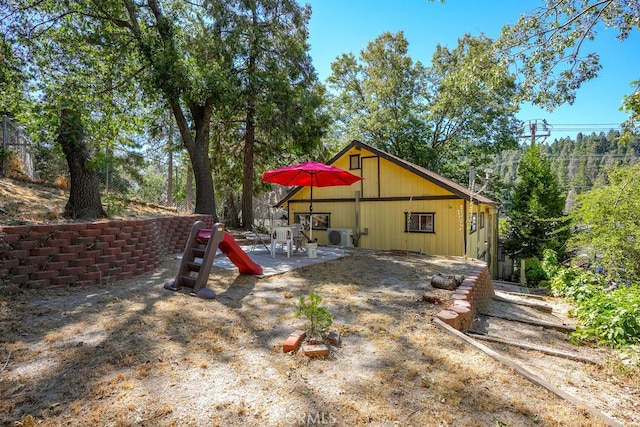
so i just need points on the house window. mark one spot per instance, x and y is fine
(321, 221)
(419, 222)
(474, 223)
(500, 253)
(481, 220)
(354, 161)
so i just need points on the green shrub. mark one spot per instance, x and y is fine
(319, 320)
(606, 317)
(610, 318)
(114, 205)
(550, 263)
(534, 272)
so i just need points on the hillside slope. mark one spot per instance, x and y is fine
(24, 202)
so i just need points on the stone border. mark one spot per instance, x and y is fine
(89, 253)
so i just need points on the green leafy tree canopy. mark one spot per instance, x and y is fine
(548, 45)
(608, 222)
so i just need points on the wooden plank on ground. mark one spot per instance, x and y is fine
(542, 349)
(534, 322)
(541, 307)
(527, 374)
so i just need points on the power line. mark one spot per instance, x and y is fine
(584, 124)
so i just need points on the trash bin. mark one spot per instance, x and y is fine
(312, 250)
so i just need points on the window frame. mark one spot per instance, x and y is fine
(355, 157)
(473, 225)
(303, 218)
(418, 216)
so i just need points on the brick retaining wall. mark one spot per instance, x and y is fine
(80, 254)
(472, 296)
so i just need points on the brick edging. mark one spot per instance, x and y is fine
(89, 253)
(472, 296)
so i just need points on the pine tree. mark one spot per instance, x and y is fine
(535, 209)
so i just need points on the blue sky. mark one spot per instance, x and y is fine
(343, 26)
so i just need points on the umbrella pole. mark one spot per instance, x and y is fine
(311, 214)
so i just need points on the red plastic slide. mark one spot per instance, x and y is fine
(231, 249)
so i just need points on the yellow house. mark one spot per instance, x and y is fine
(398, 206)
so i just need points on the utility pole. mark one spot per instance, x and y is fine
(536, 128)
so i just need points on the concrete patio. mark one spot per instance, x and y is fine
(280, 263)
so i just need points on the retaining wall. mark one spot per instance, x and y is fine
(80, 254)
(472, 296)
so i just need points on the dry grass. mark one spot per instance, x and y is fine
(23, 202)
(133, 353)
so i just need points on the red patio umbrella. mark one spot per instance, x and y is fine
(310, 174)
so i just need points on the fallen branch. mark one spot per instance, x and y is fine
(542, 349)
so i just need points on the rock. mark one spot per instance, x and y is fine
(441, 281)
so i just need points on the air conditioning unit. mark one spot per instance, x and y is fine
(340, 237)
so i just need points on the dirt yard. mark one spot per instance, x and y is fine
(133, 353)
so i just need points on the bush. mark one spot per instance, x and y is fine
(534, 273)
(114, 205)
(610, 318)
(607, 317)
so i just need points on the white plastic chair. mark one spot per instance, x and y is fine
(281, 236)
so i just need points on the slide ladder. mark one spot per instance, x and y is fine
(203, 243)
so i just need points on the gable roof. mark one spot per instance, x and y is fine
(424, 173)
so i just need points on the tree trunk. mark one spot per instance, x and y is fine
(84, 196)
(247, 177)
(250, 133)
(232, 211)
(170, 169)
(172, 87)
(198, 149)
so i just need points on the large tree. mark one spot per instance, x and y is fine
(75, 98)
(172, 42)
(462, 105)
(548, 46)
(241, 65)
(161, 46)
(535, 209)
(379, 98)
(472, 108)
(275, 112)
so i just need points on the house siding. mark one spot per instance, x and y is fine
(386, 193)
